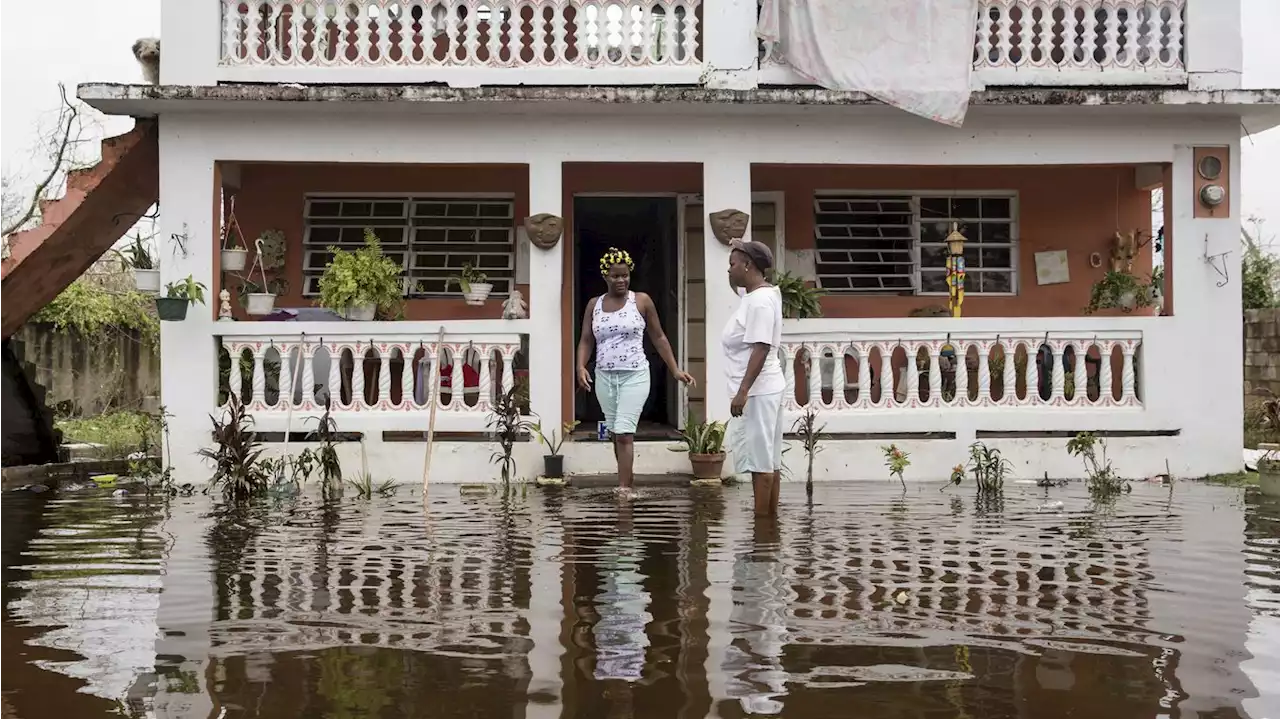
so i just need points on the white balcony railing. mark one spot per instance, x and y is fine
(467, 42)
(1018, 370)
(373, 379)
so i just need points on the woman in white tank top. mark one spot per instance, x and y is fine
(614, 326)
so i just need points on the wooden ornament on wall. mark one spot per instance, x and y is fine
(544, 230)
(729, 225)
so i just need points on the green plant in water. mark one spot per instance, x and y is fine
(326, 455)
(507, 424)
(897, 460)
(468, 277)
(799, 300)
(188, 289)
(237, 456)
(555, 440)
(366, 488)
(363, 277)
(810, 433)
(988, 467)
(1119, 290)
(1103, 482)
(701, 437)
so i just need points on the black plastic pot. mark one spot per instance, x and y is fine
(553, 466)
(171, 309)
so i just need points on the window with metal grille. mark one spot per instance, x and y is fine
(431, 237)
(897, 243)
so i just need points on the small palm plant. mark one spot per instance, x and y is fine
(810, 433)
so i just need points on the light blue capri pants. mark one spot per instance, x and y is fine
(622, 394)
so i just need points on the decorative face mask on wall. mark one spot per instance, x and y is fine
(544, 230)
(729, 225)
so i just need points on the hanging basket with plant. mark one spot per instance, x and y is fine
(234, 254)
(704, 441)
(137, 256)
(1119, 290)
(799, 300)
(358, 284)
(178, 296)
(474, 284)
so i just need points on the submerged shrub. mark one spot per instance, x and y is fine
(239, 468)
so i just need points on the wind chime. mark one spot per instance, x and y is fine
(955, 270)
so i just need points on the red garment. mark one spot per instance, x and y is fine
(470, 377)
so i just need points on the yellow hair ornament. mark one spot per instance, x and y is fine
(615, 256)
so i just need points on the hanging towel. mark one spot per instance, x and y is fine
(915, 55)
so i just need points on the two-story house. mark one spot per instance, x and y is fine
(445, 124)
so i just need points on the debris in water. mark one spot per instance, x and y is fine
(1050, 507)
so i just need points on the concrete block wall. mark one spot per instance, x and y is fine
(1262, 353)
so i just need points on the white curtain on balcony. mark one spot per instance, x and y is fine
(912, 54)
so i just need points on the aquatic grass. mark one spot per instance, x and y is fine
(1102, 480)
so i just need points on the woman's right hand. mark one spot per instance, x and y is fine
(584, 379)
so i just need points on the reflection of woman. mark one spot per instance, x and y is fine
(614, 325)
(756, 383)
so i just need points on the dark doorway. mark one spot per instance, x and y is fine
(646, 228)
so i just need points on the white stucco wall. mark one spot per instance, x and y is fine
(1192, 369)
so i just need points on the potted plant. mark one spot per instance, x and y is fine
(553, 461)
(178, 296)
(145, 274)
(1269, 470)
(234, 253)
(704, 441)
(257, 299)
(1119, 290)
(475, 285)
(357, 284)
(799, 300)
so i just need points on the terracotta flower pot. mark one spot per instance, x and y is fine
(707, 466)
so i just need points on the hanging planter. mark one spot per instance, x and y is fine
(234, 254)
(145, 274)
(1119, 290)
(148, 281)
(259, 303)
(171, 309)
(234, 260)
(178, 297)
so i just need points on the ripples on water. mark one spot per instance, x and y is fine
(678, 604)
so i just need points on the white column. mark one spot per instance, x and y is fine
(1214, 44)
(726, 184)
(189, 360)
(192, 33)
(1207, 410)
(546, 283)
(730, 45)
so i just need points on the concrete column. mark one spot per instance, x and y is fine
(1206, 373)
(547, 370)
(730, 45)
(192, 34)
(726, 182)
(189, 366)
(1214, 44)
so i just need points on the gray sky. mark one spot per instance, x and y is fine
(93, 45)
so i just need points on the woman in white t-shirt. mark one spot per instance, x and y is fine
(756, 384)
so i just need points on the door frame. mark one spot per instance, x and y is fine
(575, 322)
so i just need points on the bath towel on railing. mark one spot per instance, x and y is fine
(916, 56)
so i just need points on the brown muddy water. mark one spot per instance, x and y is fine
(678, 604)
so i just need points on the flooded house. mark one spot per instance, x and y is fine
(1072, 166)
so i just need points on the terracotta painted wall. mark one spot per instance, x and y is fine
(1071, 208)
(273, 197)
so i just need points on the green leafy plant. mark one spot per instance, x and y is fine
(799, 300)
(326, 455)
(362, 277)
(701, 437)
(988, 467)
(137, 255)
(188, 289)
(92, 308)
(555, 440)
(237, 456)
(1103, 481)
(810, 433)
(507, 424)
(468, 277)
(897, 460)
(1119, 290)
(366, 488)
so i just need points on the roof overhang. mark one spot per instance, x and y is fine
(1257, 110)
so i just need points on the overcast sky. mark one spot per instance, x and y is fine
(92, 45)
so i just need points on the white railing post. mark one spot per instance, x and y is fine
(1214, 44)
(726, 181)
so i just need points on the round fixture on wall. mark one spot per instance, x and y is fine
(1213, 195)
(1210, 167)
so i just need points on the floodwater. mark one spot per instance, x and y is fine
(558, 604)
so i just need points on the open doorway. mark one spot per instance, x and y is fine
(646, 228)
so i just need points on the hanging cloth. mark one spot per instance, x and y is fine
(916, 55)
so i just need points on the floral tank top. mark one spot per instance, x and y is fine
(619, 337)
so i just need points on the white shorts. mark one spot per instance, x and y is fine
(755, 438)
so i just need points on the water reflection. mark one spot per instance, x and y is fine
(677, 604)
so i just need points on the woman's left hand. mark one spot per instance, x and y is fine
(685, 378)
